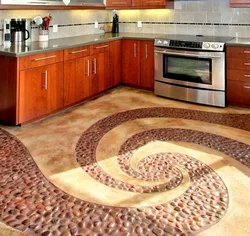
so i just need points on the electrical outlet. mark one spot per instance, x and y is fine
(139, 24)
(55, 28)
(96, 25)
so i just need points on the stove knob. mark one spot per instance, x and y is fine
(165, 42)
(159, 42)
(215, 46)
(206, 45)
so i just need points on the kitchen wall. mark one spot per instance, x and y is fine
(210, 17)
(70, 22)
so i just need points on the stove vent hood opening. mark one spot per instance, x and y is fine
(54, 2)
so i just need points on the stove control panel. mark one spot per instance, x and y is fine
(209, 46)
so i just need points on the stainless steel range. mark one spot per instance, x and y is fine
(191, 68)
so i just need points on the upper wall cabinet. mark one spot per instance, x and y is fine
(239, 3)
(138, 4)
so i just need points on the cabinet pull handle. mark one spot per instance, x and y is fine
(119, 3)
(45, 86)
(88, 68)
(44, 58)
(94, 66)
(74, 52)
(246, 52)
(247, 86)
(247, 75)
(104, 46)
(146, 51)
(247, 64)
(135, 50)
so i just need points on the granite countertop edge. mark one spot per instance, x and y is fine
(71, 42)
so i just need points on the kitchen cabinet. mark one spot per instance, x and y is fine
(117, 4)
(76, 80)
(115, 51)
(138, 63)
(76, 75)
(131, 62)
(147, 65)
(99, 67)
(40, 91)
(239, 3)
(148, 3)
(238, 76)
(130, 4)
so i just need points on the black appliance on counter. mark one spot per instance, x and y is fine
(115, 26)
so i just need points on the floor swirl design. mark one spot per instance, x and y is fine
(30, 203)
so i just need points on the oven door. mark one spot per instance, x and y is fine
(190, 68)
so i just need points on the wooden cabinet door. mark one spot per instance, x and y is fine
(147, 64)
(76, 80)
(118, 3)
(99, 73)
(148, 3)
(41, 91)
(131, 62)
(114, 63)
(234, 92)
(246, 94)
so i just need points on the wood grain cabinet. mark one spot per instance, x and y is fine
(238, 76)
(138, 63)
(130, 4)
(239, 3)
(99, 68)
(115, 50)
(147, 65)
(40, 91)
(131, 62)
(111, 4)
(76, 75)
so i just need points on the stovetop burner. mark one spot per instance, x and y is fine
(196, 42)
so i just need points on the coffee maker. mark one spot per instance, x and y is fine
(16, 30)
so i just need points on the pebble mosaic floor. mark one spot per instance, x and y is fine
(30, 203)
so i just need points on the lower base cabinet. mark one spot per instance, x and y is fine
(238, 93)
(40, 91)
(76, 80)
(138, 63)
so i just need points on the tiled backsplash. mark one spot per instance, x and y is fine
(210, 17)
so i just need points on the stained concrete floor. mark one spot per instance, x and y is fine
(52, 143)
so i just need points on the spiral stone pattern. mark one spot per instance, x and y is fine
(31, 204)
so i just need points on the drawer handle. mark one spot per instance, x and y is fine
(104, 46)
(247, 87)
(135, 49)
(247, 64)
(44, 58)
(146, 51)
(74, 52)
(247, 75)
(246, 52)
(45, 86)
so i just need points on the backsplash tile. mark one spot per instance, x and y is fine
(210, 17)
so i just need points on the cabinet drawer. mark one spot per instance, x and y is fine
(99, 48)
(238, 52)
(41, 59)
(238, 64)
(238, 75)
(78, 52)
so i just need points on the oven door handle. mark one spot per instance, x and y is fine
(186, 55)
